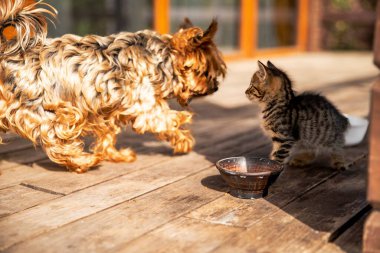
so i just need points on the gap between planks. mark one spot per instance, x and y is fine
(113, 169)
(124, 180)
(92, 219)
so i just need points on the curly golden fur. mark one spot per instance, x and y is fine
(56, 91)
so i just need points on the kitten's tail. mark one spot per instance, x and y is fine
(22, 25)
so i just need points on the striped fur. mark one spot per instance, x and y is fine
(299, 125)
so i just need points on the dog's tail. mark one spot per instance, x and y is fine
(22, 24)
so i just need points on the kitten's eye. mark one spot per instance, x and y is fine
(187, 67)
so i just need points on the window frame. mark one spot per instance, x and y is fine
(248, 28)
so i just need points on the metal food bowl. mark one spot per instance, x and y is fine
(249, 177)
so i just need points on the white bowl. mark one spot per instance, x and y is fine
(356, 130)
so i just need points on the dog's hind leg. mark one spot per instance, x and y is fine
(69, 153)
(61, 138)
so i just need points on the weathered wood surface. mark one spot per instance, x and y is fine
(372, 225)
(371, 234)
(166, 203)
(374, 180)
(352, 239)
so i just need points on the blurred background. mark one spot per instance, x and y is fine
(247, 28)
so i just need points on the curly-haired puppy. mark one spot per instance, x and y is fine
(56, 91)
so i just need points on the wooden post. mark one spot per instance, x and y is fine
(371, 238)
(315, 30)
(161, 13)
(302, 24)
(249, 26)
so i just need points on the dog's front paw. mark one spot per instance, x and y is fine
(184, 142)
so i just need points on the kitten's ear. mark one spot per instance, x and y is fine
(263, 70)
(271, 65)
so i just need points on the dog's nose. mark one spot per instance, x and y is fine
(212, 90)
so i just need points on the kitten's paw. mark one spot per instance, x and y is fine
(302, 160)
(298, 163)
(338, 162)
(341, 166)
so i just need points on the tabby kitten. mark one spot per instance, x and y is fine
(300, 125)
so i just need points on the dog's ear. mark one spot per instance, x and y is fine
(193, 37)
(186, 24)
(205, 36)
(211, 30)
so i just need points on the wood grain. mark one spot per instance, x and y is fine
(183, 235)
(180, 203)
(17, 198)
(373, 170)
(17, 173)
(371, 242)
(80, 204)
(128, 220)
(103, 195)
(70, 182)
(352, 239)
(307, 222)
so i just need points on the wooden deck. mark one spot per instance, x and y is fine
(166, 203)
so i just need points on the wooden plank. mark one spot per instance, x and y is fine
(133, 218)
(372, 226)
(242, 213)
(17, 198)
(376, 44)
(163, 205)
(58, 212)
(18, 151)
(191, 235)
(16, 174)
(145, 144)
(23, 152)
(330, 248)
(330, 205)
(128, 220)
(99, 197)
(374, 159)
(13, 143)
(352, 239)
(19, 157)
(292, 184)
(371, 240)
(208, 146)
(183, 235)
(305, 223)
